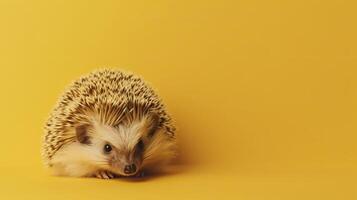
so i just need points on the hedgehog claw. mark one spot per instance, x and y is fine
(104, 175)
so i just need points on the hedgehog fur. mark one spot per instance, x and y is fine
(109, 109)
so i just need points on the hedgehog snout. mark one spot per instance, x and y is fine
(130, 169)
(125, 165)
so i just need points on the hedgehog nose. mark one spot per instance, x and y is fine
(129, 169)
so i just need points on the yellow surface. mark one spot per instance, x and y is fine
(264, 93)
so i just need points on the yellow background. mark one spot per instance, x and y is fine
(264, 93)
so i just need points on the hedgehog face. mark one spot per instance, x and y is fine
(119, 159)
(120, 149)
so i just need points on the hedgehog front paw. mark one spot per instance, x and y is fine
(104, 175)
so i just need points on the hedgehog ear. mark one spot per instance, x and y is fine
(82, 134)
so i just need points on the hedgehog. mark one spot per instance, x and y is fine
(109, 123)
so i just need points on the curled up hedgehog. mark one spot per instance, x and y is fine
(107, 124)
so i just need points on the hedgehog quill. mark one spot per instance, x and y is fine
(108, 123)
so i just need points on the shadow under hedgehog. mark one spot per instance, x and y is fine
(108, 123)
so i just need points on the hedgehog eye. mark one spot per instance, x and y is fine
(139, 148)
(107, 148)
(140, 145)
(154, 125)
